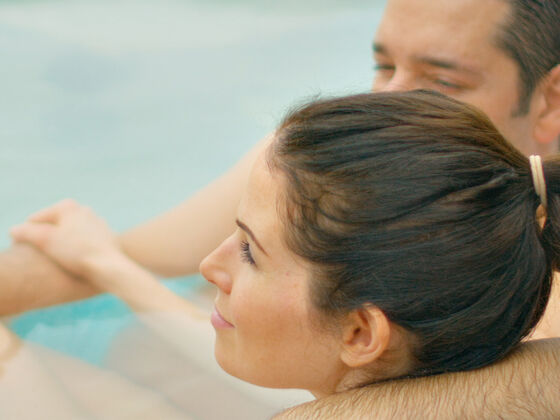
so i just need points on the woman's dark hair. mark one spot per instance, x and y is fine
(413, 202)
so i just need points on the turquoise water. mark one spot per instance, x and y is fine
(131, 106)
(86, 329)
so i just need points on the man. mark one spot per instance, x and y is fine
(500, 55)
(491, 54)
(521, 387)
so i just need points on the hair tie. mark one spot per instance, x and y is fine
(538, 177)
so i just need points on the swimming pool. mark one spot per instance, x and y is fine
(130, 107)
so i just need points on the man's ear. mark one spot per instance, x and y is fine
(547, 127)
(366, 335)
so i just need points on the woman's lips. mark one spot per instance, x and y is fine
(218, 321)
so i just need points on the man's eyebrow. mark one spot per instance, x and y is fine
(245, 228)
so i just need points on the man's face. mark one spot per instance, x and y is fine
(449, 46)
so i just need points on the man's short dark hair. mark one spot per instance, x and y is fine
(531, 37)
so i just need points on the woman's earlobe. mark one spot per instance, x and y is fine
(366, 336)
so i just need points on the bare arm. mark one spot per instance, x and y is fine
(172, 244)
(523, 386)
(30, 280)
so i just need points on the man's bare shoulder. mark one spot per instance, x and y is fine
(522, 386)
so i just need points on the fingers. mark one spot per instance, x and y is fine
(53, 213)
(36, 234)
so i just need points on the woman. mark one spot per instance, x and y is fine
(380, 236)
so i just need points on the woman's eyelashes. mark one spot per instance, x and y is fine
(246, 255)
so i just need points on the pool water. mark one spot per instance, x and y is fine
(85, 330)
(132, 106)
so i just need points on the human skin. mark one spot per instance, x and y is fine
(413, 54)
(467, 65)
(272, 333)
(262, 316)
(30, 280)
(199, 221)
(267, 329)
(40, 383)
(409, 55)
(522, 386)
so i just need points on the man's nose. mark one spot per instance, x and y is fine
(400, 82)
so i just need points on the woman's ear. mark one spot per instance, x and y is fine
(547, 127)
(366, 335)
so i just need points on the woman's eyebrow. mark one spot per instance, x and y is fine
(245, 228)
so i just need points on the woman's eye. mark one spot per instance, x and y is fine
(246, 253)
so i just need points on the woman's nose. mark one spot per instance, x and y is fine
(215, 268)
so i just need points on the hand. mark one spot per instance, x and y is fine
(71, 234)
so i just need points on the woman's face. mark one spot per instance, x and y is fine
(263, 318)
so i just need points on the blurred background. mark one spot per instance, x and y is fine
(131, 106)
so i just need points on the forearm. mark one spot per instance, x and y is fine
(174, 243)
(30, 280)
(523, 386)
(125, 279)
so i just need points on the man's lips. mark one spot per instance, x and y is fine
(218, 320)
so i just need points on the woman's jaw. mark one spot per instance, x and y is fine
(268, 331)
